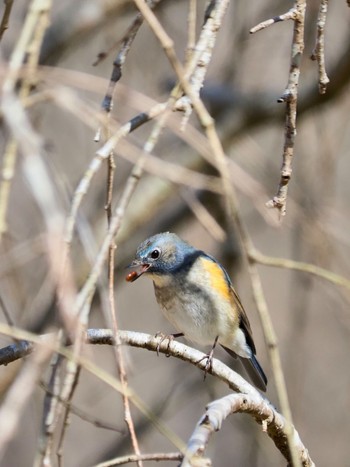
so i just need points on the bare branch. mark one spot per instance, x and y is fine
(156, 456)
(290, 97)
(260, 409)
(300, 266)
(318, 53)
(291, 14)
(248, 400)
(18, 395)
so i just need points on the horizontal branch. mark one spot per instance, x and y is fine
(23, 348)
(330, 276)
(156, 456)
(254, 403)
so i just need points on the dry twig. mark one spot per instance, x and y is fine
(155, 456)
(290, 97)
(318, 53)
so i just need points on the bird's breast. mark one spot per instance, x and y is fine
(191, 304)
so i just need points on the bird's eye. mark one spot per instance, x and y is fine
(155, 253)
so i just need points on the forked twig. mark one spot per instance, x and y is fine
(290, 97)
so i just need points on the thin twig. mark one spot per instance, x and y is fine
(96, 163)
(318, 53)
(27, 49)
(119, 61)
(291, 14)
(290, 97)
(300, 266)
(156, 456)
(129, 189)
(82, 414)
(203, 216)
(113, 313)
(202, 53)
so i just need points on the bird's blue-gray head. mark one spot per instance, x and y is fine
(161, 254)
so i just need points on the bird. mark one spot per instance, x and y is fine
(197, 297)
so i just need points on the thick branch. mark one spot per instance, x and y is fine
(260, 409)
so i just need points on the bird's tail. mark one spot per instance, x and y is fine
(255, 372)
(253, 368)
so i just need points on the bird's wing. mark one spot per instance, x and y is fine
(244, 321)
(236, 302)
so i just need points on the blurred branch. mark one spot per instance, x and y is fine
(119, 61)
(272, 423)
(78, 22)
(19, 393)
(97, 161)
(204, 217)
(116, 220)
(330, 276)
(107, 107)
(27, 50)
(157, 456)
(4, 25)
(81, 413)
(51, 341)
(198, 62)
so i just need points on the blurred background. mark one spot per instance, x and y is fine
(247, 74)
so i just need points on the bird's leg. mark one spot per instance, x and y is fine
(209, 358)
(170, 338)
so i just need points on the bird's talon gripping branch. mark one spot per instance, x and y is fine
(169, 337)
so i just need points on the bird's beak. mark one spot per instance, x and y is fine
(139, 268)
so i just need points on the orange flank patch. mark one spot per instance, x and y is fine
(217, 279)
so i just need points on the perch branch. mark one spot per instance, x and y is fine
(261, 409)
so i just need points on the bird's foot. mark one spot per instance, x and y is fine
(209, 365)
(169, 337)
(209, 357)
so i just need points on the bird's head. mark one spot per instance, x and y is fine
(161, 254)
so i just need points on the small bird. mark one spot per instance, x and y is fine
(196, 295)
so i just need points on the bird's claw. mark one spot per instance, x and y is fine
(209, 365)
(209, 357)
(163, 337)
